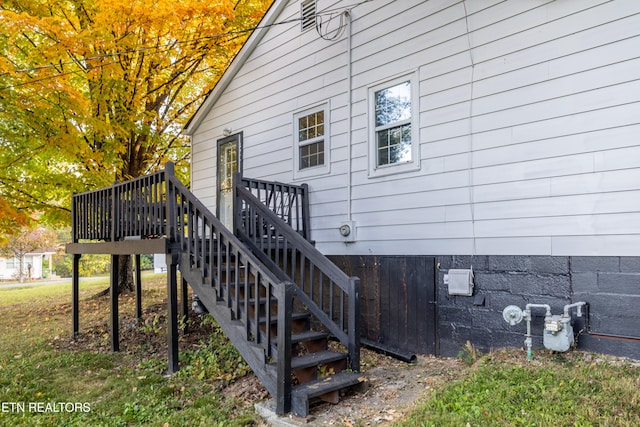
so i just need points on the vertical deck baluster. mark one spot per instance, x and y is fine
(114, 212)
(223, 264)
(285, 255)
(133, 202)
(289, 206)
(133, 223)
(256, 313)
(293, 263)
(331, 312)
(149, 205)
(122, 211)
(144, 208)
(311, 284)
(302, 272)
(275, 236)
(342, 324)
(133, 220)
(101, 214)
(152, 205)
(321, 289)
(137, 209)
(268, 313)
(89, 220)
(218, 265)
(197, 241)
(246, 283)
(236, 274)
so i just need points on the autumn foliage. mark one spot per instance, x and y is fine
(97, 91)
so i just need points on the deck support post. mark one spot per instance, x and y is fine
(138, 284)
(113, 293)
(172, 311)
(75, 295)
(285, 308)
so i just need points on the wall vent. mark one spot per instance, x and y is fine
(307, 14)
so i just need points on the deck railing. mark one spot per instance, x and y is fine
(140, 208)
(131, 208)
(289, 202)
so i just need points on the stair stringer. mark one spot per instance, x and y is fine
(234, 329)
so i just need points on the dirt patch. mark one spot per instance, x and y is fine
(143, 338)
(391, 386)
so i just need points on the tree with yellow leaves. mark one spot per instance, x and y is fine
(98, 91)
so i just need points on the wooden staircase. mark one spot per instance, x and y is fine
(291, 313)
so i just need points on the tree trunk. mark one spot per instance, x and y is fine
(125, 274)
(20, 268)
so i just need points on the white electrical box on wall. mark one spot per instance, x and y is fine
(347, 231)
(460, 281)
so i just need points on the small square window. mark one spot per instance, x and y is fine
(310, 140)
(311, 145)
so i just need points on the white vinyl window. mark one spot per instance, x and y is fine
(394, 146)
(311, 133)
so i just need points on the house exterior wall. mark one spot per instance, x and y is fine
(9, 268)
(528, 115)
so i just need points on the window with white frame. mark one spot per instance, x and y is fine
(311, 145)
(394, 128)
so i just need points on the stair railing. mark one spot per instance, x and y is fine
(320, 285)
(225, 263)
(212, 259)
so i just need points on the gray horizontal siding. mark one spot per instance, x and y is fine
(529, 113)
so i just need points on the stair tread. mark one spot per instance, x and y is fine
(328, 384)
(294, 316)
(314, 359)
(308, 336)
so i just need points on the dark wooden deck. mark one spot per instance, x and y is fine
(247, 277)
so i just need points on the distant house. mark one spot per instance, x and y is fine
(35, 266)
(501, 137)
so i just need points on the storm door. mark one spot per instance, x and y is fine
(229, 162)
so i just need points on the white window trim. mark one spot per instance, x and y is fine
(412, 165)
(319, 169)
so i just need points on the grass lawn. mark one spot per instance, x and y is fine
(500, 389)
(49, 379)
(46, 378)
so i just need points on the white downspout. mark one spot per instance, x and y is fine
(350, 112)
